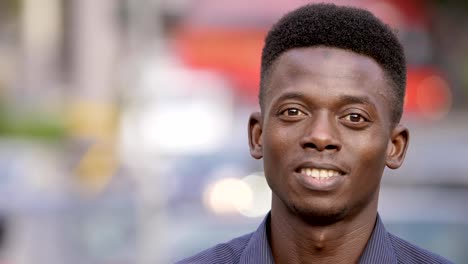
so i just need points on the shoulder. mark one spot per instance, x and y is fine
(409, 253)
(228, 252)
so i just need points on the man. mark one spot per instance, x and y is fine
(331, 98)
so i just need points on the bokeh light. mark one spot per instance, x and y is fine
(261, 198)
(228, 196)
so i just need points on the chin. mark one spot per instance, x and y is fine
(320, 216)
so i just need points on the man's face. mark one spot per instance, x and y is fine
(325, 133)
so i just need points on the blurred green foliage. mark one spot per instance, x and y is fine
(31, 125)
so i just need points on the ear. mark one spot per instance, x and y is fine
(397, 146)
(255, 135)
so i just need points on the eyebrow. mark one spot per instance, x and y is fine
(343, 99)
(290, 95)
(352, 99)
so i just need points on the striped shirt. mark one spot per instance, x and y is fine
(253, 248)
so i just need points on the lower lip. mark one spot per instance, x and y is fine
(319, 184)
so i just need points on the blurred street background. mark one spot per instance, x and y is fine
(123, 127)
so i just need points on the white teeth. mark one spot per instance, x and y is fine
(319, 173)
(323, 173)
(315, 173)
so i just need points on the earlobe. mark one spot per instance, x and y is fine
(397, 147)
(255, 135)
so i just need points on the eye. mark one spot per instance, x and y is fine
(355, 118)
(292, 112)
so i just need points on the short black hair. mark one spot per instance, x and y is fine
(344, 27)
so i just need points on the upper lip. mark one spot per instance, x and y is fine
(319, 165)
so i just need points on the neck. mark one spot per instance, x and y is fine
(294, 240)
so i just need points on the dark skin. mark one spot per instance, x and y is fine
(325, 135)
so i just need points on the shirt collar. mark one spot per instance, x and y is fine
(379, 248)
(258, 249)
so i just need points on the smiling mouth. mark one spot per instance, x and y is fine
(319, 173)
(322, 178)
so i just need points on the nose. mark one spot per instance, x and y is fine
(321, 134)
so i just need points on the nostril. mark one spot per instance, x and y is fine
(320, 147)
(331, 147)
(310, 145)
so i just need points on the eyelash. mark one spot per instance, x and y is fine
(362, 119)
(355, 114)
(285, 111)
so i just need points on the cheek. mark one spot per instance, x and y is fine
(371, 157)
(278, 150)
(277, 142)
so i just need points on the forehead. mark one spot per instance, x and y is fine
(330, 69)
